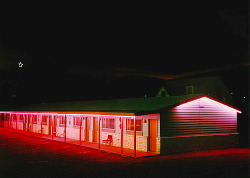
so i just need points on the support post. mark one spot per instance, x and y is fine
(10, 120)
(31, 122)
(85, 134)
(134, 137)
(16, 121)
(41, 124)
(65, 120)
(1, 118)
(80, 131)
(28, 124)
(4, 119)
(52, 126)
(23, 121)
(121, 135)
(99, 132)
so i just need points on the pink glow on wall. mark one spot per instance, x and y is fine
(200, 116)
(204, 102)
(62, 114)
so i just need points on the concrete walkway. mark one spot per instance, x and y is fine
(28, 156)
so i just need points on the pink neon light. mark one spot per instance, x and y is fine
(205, 101)
(55, 113)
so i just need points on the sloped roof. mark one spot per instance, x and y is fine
(131, 105)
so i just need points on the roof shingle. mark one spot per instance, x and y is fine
(131, 105)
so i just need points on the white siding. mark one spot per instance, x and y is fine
(198, 117)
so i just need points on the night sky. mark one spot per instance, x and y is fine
(75, 52)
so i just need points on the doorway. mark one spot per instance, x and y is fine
(95, 129)
(87, 128)
(152, 134)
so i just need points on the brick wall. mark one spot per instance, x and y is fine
(128, 140)
(74, 133)
(90, 135)
(158, 145)
(45, 129)
(19, 125)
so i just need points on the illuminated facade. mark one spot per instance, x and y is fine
(134, 127)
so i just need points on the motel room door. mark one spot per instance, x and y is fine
(54, 119)
(26, 120)
(87, 128)
(95, 129)
(152, 134)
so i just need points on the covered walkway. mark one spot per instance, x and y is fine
(75, 129)
(112, 149)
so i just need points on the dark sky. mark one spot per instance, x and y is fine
(186, 37)
(54, 41)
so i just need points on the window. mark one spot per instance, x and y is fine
(44, 120)
(7, 117)
(61, 120)
(190, 90)
(34, 119)
(163, 93)
(14, 118)
(69, 119)
(108, 123)
(21, 118)
(76, 121)
(130, 124)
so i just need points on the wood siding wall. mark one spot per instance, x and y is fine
(199, 117)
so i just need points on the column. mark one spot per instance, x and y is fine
(134, 137)
(10, 120)
(99, 132)
(121, 135)
(52, 126)
(41, 124)
(80, 130)
(65, 124)
(16, 121)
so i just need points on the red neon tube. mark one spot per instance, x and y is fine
(99, 133)
(80, 131)
(121, 135)
(134, 138)
(65, 119)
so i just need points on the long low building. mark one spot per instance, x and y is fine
(157, 125)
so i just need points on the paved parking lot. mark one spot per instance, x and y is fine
(28, 156)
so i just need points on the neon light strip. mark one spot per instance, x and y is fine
(218, 102)
(19, 112)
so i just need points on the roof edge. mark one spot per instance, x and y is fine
(214, 99)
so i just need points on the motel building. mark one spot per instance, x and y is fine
(134, 127)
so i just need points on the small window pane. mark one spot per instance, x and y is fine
(108, 123)
(130, 125)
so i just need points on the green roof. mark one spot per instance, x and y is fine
(131, 105)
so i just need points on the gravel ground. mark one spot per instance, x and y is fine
(27, 156)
